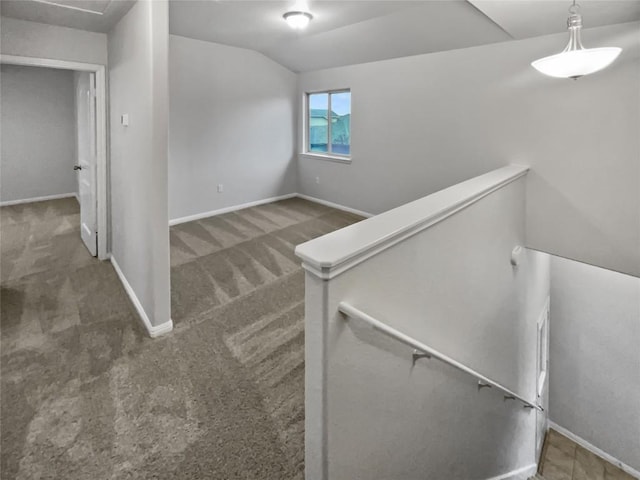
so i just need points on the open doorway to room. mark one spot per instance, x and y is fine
(54, 145)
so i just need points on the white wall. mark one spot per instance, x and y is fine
(38, 133)
(425, 122)
(138, 75)
(233, 118)
(452, 287)
(595, 357)
(31, 39)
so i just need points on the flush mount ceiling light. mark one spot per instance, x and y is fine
(575, 60)
(298, 20)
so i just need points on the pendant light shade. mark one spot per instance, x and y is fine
(576, 61)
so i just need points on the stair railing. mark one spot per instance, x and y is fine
(424, 351)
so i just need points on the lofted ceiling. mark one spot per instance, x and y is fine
(342, 32)
(532, 18)
(92, 15)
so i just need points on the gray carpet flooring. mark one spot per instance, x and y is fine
(87, 395)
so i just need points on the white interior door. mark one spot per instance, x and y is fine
(87, 158)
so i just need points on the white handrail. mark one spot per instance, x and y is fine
(353, 312)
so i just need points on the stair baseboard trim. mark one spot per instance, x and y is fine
(8, 203)
(337, 206)
(220, 211)
(593, 449)
(524, 472)
(154, 330)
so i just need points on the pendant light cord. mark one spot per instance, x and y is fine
(574, 8)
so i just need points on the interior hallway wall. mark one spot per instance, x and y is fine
(138, 75)
(425, 122)
(595, 357)
(38, 133)
(233, 119)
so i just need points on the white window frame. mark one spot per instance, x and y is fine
(331, 156)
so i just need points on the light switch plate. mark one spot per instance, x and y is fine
(124, 119)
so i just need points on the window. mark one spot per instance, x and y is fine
(329, 123)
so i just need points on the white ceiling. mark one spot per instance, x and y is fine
(92, 15)
(532, 18)
(358, 31)
(342, 32)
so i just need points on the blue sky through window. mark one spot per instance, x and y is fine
(341, 103)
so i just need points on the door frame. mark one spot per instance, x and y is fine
(101, 133)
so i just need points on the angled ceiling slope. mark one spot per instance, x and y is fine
(341, 32)
(91, 15)
(532, 18)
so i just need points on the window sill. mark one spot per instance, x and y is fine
(328, 158)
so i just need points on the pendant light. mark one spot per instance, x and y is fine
(575, 60)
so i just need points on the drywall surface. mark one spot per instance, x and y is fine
(369, 412)
(233, 118)
(38, 132)
(31, 39)
(422, 123)
(594, 356)
(138, 76)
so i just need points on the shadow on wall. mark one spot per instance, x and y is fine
(571, 218)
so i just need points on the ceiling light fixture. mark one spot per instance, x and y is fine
(298, 20)
(575, 60)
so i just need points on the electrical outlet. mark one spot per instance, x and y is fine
(318, 180)
(220, 188)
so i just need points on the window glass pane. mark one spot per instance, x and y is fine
(341, 123)
(318, 122)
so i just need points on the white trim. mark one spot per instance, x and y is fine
(8, 203)
(595, 450)
(335, 253)
(154, 331)
(329, 158)
(335, 205)
(49, 63)
(70, 7)
(101, 132)
(524, 472)
(220, 211)
(543, 347)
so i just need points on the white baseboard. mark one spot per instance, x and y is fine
(220, 211)
(8, 203)
(521, 473)
(335, 205)
(593, 449)
(154, 331)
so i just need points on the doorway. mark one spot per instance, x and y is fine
(91, 165)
